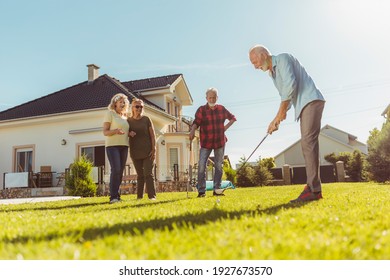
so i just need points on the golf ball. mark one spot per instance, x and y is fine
(218, 201)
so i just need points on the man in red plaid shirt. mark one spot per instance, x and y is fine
(211, 120)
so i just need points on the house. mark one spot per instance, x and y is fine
(331, 140)
(386, 112)
(55, 129)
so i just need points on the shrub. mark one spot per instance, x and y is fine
(353, 163)
(228, 172)
(79, 182)
(258, 175)
(262, 176)
(231, 175)
(245, 176)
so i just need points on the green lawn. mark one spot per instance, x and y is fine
(351, 222)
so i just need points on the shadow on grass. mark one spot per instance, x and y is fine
(76, 205)
(39, 206)
(139, 227)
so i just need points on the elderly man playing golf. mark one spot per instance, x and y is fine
(296, 88)
(211, 119)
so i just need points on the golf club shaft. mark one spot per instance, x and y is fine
(242, 165)
(189, 168)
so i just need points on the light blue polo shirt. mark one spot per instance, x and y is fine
(293, 82)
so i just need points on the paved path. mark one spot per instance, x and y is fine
(36, 199)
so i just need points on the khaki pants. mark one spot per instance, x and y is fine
(144, 169)
(310, 121)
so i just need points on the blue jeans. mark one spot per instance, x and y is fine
(202, 167)
(117, 156)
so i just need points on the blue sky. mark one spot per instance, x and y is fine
(344, 45)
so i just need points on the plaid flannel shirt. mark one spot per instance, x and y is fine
(212, 125)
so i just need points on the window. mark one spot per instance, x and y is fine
(24, 159)
(176, 115)
(176, 111)
(173, 157)
(95, 154)
(169, 107)
(89, 153)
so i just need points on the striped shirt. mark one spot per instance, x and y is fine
(212, 125)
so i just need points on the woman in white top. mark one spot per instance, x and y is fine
(116, 128)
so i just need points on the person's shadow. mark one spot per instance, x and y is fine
(161, 223)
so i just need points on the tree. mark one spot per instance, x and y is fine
(379, 153)
(355, 166)
(79, 182)
(269, 163)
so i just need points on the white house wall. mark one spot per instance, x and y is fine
(293, 155)
(359, 146)
(46, 134)
(280, 160)
(328, 146)
(158, 100)
(171, 141)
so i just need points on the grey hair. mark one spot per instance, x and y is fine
(212, 89)
(259, 49)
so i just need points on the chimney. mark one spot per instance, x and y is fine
(93, 72)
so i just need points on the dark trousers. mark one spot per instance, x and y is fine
(117, 156)
(310, 129)
(144, 169)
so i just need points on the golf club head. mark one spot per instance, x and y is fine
(219, 191)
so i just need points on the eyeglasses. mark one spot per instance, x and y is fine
(138, 106)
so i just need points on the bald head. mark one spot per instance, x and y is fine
(259, 49)
(260, 57)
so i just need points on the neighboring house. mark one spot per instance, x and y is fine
(57, 128)
(386, 112)
(331, 140)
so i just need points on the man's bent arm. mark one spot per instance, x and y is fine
(280, 116)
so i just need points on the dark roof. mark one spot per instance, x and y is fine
(156, 82)
(84, 96)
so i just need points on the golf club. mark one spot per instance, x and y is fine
(242, 165)
(220, 191)
(190, 168)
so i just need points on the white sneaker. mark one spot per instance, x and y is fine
(114, 201)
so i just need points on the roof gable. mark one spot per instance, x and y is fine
(326, 127)
(87, 96)
(322, 133)
(151, 83)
